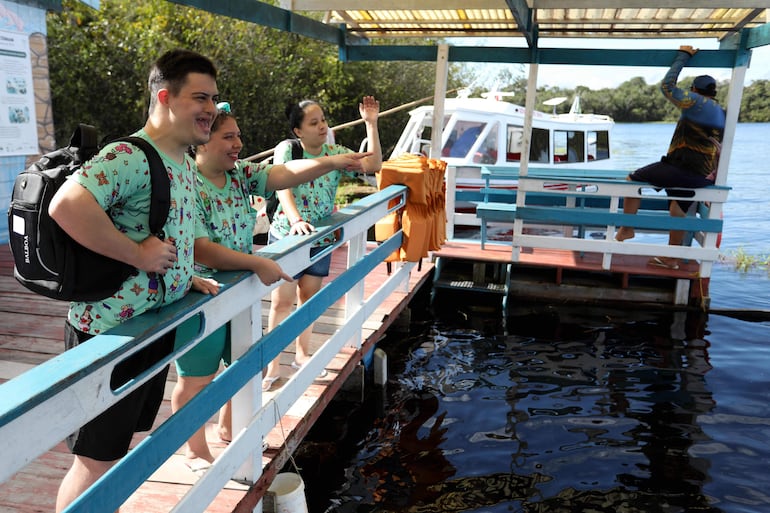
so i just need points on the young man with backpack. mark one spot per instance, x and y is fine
(183, 97)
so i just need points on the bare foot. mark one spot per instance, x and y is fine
(198, 465)
(225, 436)
(624, 233)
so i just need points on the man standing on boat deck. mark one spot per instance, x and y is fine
(693, 154)
(183, 96)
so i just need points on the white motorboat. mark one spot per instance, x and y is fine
(488, 131)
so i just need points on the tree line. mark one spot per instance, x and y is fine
(99, 60)
(635, 101)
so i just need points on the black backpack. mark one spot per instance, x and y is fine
(271, 203)
(47, 260)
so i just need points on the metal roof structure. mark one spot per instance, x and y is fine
(546, 18)
(390, 30)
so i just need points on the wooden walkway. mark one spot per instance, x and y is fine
(31, 332)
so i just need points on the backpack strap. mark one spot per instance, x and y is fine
(296, 149)
(161, 187)
(84, 142)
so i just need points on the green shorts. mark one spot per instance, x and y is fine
(203, 359)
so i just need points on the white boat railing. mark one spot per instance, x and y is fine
(42, 406)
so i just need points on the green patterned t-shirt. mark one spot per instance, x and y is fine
(224, 215)
(314, 199)
(119, 179)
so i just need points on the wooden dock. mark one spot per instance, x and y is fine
(564, 275)
(31, 332)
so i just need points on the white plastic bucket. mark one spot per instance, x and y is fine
(286, 495)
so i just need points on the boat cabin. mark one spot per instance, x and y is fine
(490, 131)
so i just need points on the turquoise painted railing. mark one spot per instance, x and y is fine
(51, 400)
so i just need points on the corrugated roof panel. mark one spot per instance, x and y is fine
(572, 20)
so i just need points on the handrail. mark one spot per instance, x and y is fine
(74, 386)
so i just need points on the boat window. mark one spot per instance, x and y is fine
(514, 143)
(568, 146)
(487, 152)
(424, 139)
(538, 150)
(463, 138)
(598, 145)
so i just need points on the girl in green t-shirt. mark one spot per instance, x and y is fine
(224, 223)
(308, 203)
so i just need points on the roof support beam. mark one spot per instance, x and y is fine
(524, 18)
(759, 36)
(576, 56)
(273, 17)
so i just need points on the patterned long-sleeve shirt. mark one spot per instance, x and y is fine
(697, 138)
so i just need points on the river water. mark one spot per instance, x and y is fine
(573, 409)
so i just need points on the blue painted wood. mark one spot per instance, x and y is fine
(723, 58)
(512, 173)
(598, 217)
(492, 211)
(268, 15)
(495, 204)
(758, 36)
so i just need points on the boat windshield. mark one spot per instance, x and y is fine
(462, 138)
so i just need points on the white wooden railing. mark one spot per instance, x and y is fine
(577, 185)
(40, 407)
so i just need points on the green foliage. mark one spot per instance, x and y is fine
(755, 106)
(744, 262)
(99, 61)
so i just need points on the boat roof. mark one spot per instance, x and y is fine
(490, 108)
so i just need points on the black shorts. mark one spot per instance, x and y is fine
(108, 436)
(664, 175)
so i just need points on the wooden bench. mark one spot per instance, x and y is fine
(494, 211)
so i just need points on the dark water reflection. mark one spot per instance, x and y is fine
(567, 412)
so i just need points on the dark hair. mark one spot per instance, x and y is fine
(295, 113)
(215, 126)
(171, 69)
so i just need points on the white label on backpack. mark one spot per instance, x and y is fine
(18, 225)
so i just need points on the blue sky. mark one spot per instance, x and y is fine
(599, 77)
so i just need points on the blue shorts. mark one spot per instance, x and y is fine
(319, 268)
(664, 175)
(204, 358)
